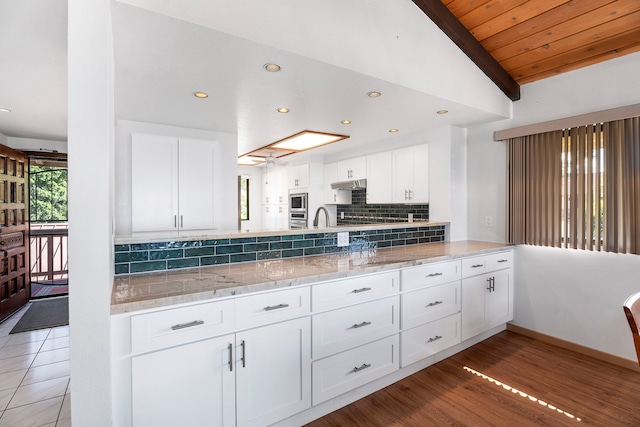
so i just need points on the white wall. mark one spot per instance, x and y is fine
(31, 144)
(225, 178)
(554, 294)
(91, 136)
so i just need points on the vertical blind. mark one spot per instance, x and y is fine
(576, 188)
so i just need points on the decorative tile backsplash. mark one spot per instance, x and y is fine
(170, 255)
(359, 212)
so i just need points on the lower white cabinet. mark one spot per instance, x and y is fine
(428, 339)
(487, 301)
(189, 385)
(273, 372)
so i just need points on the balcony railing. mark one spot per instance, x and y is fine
(49, 243)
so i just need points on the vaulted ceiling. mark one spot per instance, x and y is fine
(532, 39)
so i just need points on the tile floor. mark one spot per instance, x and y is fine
(34, 376)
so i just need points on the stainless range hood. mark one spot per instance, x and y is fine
(349, 185)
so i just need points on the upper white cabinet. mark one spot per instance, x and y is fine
(355, 168)
(411, 175)
(380, 177)
(329, 195)
(274, 186)
(172, 183)
(298, 177)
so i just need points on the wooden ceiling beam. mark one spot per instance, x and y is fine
(449, 24)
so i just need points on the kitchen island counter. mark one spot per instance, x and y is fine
(159, 289)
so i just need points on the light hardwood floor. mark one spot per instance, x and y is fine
(506, 380)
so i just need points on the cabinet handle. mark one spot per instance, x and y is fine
(280, 199)
(410, 195)
(357, 291)
(231, 357)
(431, 304)
(361, 368)
(360, 325)
(405, 194)
(492, 284)
(335, 197)
(244, 348)
(181, 222)
(187, 325)
(276, 307)
(436, 338)
(267, 199)
(175, 221)
(503, 260)
(434, 275)
(477, 265)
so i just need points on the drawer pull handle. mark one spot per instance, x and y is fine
(436, 338)
(503, 260)
(276, 307)
(360, 325)
(357, 291)
(244, 355)
(187, 325)
(434, 274)
(431, 304)
(361, 368)
(477, 265)
(231, 357)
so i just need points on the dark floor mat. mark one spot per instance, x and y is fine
(44, 314)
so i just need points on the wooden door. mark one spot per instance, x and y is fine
(15, 282)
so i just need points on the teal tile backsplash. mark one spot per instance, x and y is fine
(161, 256)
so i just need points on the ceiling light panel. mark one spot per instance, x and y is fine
(307, 140)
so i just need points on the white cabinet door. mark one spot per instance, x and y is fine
(274, 217)
(355, 168)
(298, 177)
(487, 301)
(411, 175)
(274, 185)
(273, 375)
(329, 195)
(380, 178)
(154, 183)
(190, 385)
(196, 166)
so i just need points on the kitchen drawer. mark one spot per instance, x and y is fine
(270, 307)
(430, 274)
(429, 304)
(166, 328)
(338, 293)
(345, 371)
(348, 327)
(427, 340)
(486, 263)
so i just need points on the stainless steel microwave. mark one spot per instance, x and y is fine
(298, 202)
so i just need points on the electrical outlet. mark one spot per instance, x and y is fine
(410, 217)
(488, 221)
(342, 215)
(343, 239)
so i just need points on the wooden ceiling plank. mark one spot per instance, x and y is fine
(480, 15)
(582, 54)
(560, 15)
(580, 23)
(591, 61)
(449, 24)
(462, 7)
(513, 17)
(584, 38)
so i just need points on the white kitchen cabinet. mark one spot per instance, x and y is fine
(350, 169)
(274, 186)
(411, 174)
(189, 385)
(428, 339)
(329, 195)
(172, 183)
(275, 217)
(487, 299)
(273, 372)
(380, 177)
(298, 177)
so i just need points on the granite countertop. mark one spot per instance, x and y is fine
(153, 290)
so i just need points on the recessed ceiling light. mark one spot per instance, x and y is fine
(393, 130)
(272, 67)
(346, 122)
(283, 110)
(442, 111)
(374, 94)
(5, 110)
(200, 95)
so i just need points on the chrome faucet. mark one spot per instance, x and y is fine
(326, 216)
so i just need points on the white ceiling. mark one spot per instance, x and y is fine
(161, 61)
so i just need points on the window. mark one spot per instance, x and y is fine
(577, 188)
(243, 197)
(47, 193)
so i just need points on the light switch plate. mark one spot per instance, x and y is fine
(343, 239)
